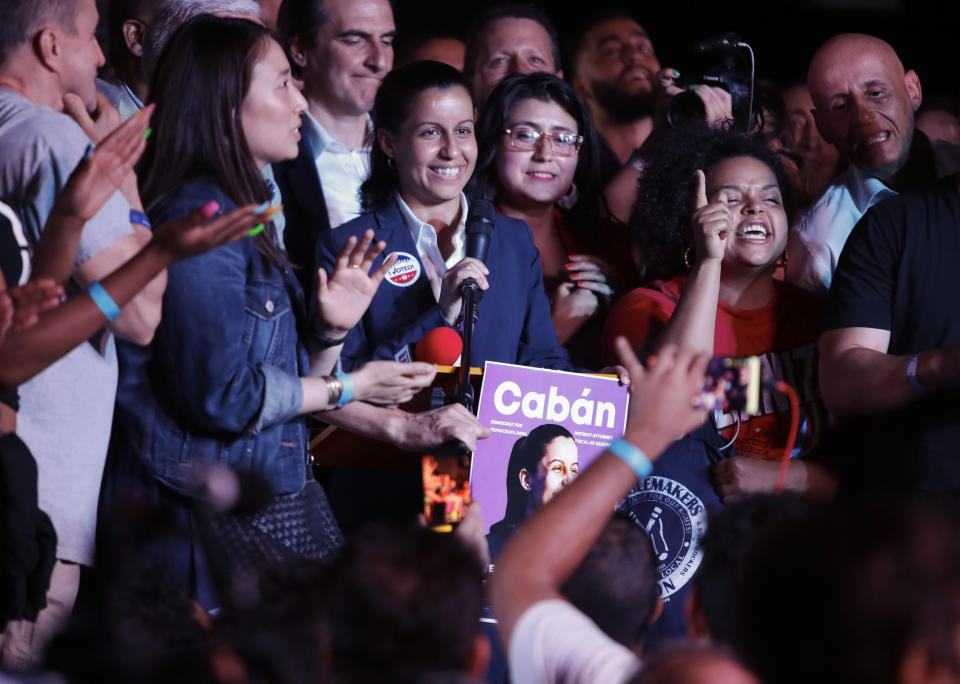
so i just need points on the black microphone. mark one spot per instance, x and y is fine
(480, 222)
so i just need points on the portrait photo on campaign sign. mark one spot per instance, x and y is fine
(546, 426)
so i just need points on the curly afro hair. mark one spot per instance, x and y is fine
(667, 190)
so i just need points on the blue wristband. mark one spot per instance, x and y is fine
(632, 455)
(139, 217)
(912, 375)
(347, 383)
(103, 300)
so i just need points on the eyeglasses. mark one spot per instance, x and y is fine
(562, 143)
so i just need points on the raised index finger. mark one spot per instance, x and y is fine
(701, 190)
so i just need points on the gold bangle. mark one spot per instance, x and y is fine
(334, 389)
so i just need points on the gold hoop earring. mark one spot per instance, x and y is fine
(784, 258)
(686, 257)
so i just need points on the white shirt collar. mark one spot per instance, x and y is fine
(425, 235)
(320, 139)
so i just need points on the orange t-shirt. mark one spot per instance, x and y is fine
(783, 334)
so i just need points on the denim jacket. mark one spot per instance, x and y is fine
(221, 379)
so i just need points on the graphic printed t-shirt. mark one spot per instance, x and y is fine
(783, 334)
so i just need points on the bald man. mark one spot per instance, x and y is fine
(864, 103)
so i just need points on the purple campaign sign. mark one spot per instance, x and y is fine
(514, 400)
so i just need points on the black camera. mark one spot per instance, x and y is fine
(722, 62)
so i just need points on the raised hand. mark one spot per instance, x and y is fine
(450, 298)
(343, 297)
(712, 223)
(96, 178)
(662, 396)
(194, 234)
(98, 125)
(391, 382)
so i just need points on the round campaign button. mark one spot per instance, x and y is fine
(405, 270)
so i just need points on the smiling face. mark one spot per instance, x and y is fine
(537, 176)
(511, 45)
(435, 149)
(82, 55)
(558, 468)
(270, 112)
(350, 55)
(865, 102)
(760, 233)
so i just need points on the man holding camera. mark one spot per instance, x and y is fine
(864, 103)
(614, 71)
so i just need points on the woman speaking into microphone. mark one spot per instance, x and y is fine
(424, 152)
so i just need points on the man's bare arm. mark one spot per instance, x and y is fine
(537, 561)
(141, 316)
(858, 376)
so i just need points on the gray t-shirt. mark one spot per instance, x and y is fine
(67, 410)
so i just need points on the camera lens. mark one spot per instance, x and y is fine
(684, 108)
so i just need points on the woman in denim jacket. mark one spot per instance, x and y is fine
(235, 362)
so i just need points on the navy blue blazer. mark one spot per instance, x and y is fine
(514, 324)
(305, 211)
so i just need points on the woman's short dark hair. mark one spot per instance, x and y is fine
(199, 85)
(525, 455)
(547, 88)
(667, 191)
(391, 108)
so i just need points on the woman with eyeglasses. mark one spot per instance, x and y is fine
(538, 163)
(424, 153)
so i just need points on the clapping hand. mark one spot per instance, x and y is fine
(100, 174)
(20, 307)
(194, 234)
(343, 297)
(99, 124)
